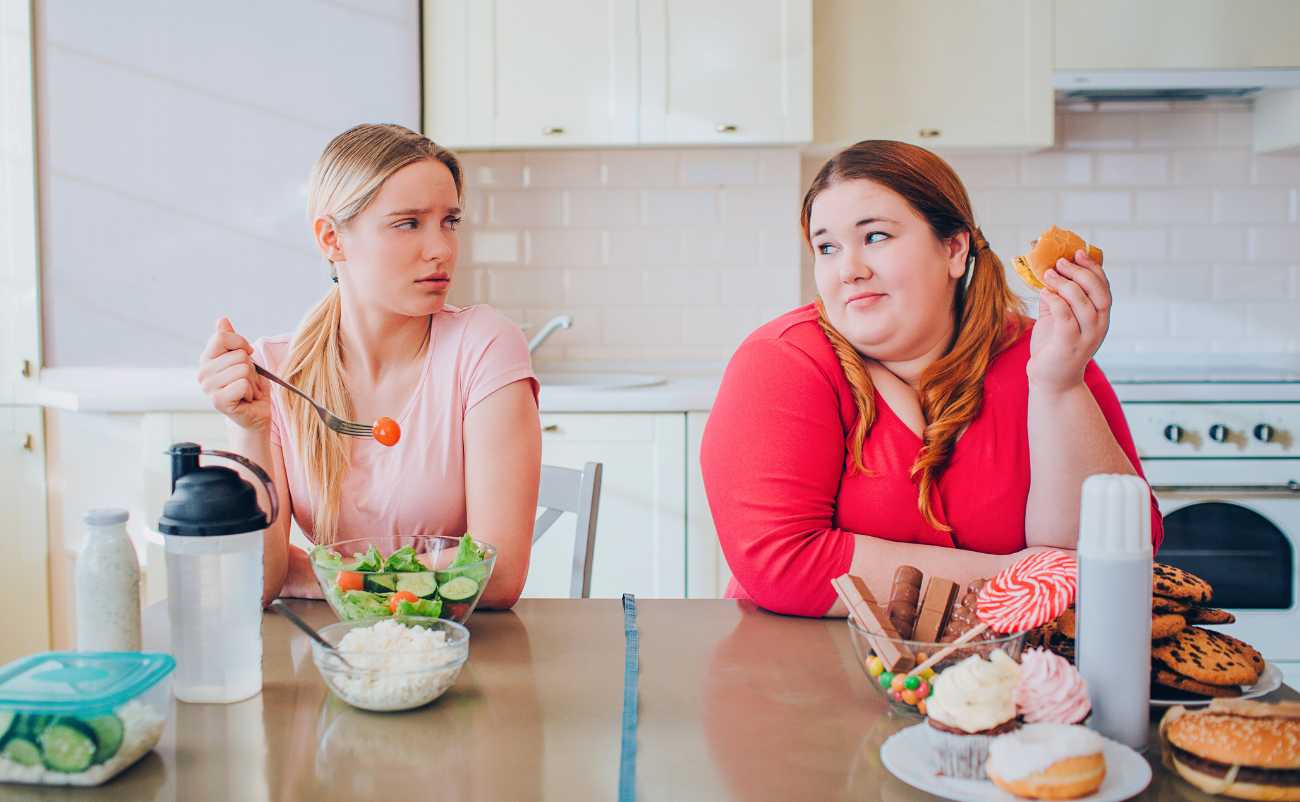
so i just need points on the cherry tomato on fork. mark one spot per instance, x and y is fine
(386, 431)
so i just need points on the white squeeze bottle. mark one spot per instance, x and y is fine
(1113, 642)
(107, 585)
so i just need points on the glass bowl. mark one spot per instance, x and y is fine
(385, 680)
(907, 700)
(443, 586)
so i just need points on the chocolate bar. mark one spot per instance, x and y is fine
(873, 619)
(963, 617)
(903, 600)
(936, 607)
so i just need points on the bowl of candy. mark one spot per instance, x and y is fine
(887, 661)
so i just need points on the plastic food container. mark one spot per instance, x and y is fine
(79, 718)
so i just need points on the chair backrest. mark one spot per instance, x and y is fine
(567, 490)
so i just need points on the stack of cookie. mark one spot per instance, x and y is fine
(1186, 659)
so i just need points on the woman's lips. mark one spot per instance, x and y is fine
(865, 299)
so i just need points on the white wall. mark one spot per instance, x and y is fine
(1201, 236)
(671, 254)
(175, 141)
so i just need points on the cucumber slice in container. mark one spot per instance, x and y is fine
(108, 731)
(22, 751)
(68, 746)
(422, 584)
(459, 589)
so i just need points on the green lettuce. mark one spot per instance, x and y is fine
(403, 560)
(357, 604)
(371, 561)
(468, 562)
(430, 608)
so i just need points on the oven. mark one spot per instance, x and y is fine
(1227, 476)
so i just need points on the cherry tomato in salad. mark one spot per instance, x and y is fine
(386, 431)
(350, 580)
(399, 597)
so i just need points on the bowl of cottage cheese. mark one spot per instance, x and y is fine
(392, 664)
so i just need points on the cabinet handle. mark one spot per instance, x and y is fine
(929, 133)
(27, 369)
(554, 130)
(726, 129)
(29, 443)
(551, 427)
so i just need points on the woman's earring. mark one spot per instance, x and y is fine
(970, 271)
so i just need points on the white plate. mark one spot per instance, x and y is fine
(1268, 682)
(906, 752)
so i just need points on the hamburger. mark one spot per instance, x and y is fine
(1055, 243)
(1238, 748)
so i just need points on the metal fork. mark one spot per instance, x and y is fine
(350, 428)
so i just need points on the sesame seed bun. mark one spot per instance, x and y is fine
(1238, 748)
(1054, 243)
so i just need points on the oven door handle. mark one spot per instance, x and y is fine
(1287, 489)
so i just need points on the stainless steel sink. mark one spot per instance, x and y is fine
(598, 381)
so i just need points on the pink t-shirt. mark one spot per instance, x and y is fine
(416, 487)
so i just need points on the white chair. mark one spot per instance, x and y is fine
(567, 490)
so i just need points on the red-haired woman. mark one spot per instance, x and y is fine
(912, 415)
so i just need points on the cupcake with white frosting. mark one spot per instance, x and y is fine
(973, 703)
(1051, 691)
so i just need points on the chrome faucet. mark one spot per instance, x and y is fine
(557, 322)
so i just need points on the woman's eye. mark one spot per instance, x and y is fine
(871, 238)
(825, 249)
(408, 225)
(452, 222)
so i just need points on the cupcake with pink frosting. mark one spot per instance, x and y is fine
(1050, 690)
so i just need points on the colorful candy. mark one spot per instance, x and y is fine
(898, 683)
(909, 697)
(886, 679)
(923, 690)
(912, 683)
(896, 696)
(1030, 593)
(874, 666)
(920, 707)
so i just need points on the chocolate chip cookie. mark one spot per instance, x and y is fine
(1168, 580)
(1200, 655)
(1165, 678)
(1164, 604)
(1240, 647)
(1165, 625)
(1209, 615)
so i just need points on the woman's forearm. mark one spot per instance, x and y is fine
(299, 581)
(875, 560)
(1069, 440)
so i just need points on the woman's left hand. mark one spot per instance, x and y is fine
(1073, 316)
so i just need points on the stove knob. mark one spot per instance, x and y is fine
(1264, 433)
(1219, 433)
(1174, 433)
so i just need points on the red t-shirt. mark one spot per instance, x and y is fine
(776, 469)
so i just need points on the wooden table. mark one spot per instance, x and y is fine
(734, 704)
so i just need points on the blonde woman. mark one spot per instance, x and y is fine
(384, 204)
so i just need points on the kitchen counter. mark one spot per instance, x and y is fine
(734, 704)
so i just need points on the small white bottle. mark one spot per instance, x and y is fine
(107, 585)
(1113, 641)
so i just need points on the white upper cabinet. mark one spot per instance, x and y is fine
(1176, 34)
(942, 74)
(519, 73)
(722, 71)
(582, 73)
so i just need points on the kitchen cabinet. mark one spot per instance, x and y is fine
(1277, 122)
(707, 573)
(726, 71)
(1176, 34)
(518, 74)
(24, 570)
(975, 74)
(583, 73)
(641, 529)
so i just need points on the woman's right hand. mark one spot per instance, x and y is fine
(227, 376)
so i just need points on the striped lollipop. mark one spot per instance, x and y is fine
(1026, 595)
(1030, 593)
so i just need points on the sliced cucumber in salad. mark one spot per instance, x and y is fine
(422, 584)
(459, 589)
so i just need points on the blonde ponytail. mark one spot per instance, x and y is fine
(345, 180)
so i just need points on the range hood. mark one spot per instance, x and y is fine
(1147, 85)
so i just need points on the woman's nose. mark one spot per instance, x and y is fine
(853, 268)
(437, 247)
